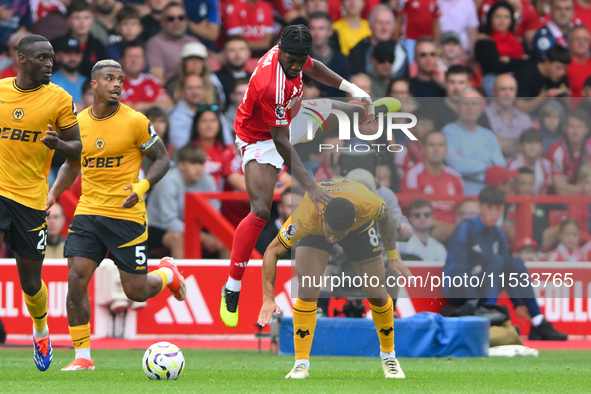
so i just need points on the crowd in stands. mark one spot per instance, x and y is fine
(501, 91)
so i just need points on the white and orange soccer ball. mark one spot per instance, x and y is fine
(163, 361)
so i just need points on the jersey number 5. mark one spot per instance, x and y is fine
(140, 254)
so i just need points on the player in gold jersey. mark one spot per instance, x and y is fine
(31, 108)
(111, 215)
(349, 220)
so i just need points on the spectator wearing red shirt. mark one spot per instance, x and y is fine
(583, 12)
(527, 19)
(433, 177)
(207, 133)
(579, 68)
(568, 249)
(415, 19)
(253, 20)
(413, 150)
(140, 90)
(12, 42)
(287, 10)
(531, 147)
(565, 154)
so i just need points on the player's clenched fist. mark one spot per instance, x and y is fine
(51, 138)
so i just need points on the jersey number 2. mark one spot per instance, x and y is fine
(42, 240)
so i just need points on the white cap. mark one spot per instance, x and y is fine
(194, 49)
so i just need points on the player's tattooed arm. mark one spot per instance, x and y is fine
(387, 227)
(69, 146)
(161, 162)
(293, 161)
(65, 177)
(274, 252)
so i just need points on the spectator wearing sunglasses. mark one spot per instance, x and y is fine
(428, 82)
(382, 60)
(164, 50)
(421, 244)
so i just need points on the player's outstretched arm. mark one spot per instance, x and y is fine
(160, 166)
(69, 146)
(274, 252)
(65, 177)
(293, 161)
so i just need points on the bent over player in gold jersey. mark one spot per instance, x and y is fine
(31, 108)
(111, 214)
(349, 220)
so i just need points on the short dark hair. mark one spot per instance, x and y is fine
(526, 170)
(396, 80)
(131, 44)
(157, 111)
(489, 15)
(579, 114)
(465, 200)
(492, 195)
(424, 39)
(419, 203)
(128, 12)
(320, 15)
(173, 4)
(79, 6)
(192, 153)
(101, 64)
(339, 214)
(426, 137)
(239, 81)
(531, 135)
(27, 42)
(86, 86)
(457, 69)
(558, 53)
(235, 38)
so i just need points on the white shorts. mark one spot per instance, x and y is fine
(265, 152)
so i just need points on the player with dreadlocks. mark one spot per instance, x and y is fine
(262, 128)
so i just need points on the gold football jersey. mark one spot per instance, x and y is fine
(24, 160)
(305, 220)
(111, 158)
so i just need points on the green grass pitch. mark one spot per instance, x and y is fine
(226, 371)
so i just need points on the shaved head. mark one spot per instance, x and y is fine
(26, 44)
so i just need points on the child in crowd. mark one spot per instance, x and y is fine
(129, 26)
(551, 123)
(531, 146)
(568, 249)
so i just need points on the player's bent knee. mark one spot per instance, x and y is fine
(31, 286)
(261, 211)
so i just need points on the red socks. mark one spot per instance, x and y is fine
(245, 238)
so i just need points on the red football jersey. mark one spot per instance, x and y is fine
(419, 17)
(146, 88)
(219, 161)
(563, 161)
(542, 171)
(251, 21)
(271, 100)
(409, 156)
(284, 6)
(419, 180)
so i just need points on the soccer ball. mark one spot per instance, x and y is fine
(163, 361)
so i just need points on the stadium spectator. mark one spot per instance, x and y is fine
(311, 88)
(140, 90)
(351, 28)
(527, 19)
(52, 25)
(55, 242)
(312, 6)
(583, 12)
(206, 132)
(537, 82)
(428, 82)
(413, 151)
(253, 20)
(457, 78)
(290, 200)
(498, 50)
(192, 94)
(585, 104)
(286, 11)
(468, 208)
(471, 147)
(527, 249)
(235, 98)
(552, 119)
(41, 8)
(419, 18)
(325, 166)
(204, 18)
(158, 118)
(382, 60)
(579, 68)
(452, 52)
(568, 249)
(381, 24)
(501, 178)
(320, 27)
(87, 96)
(566, 154)
(68, 57)
(80, 21)
(235, 54)
(15, 15)
(129, 27)
(194, 61)
(556, 30)
(399, 88)
(166, 202)
(530, 146)
(421, 244)
(432, 176)
(164, 49)
(460, 16)
(384, 176)
(105, 20)
(13, 41)
(478, 245)
(506, 121)
(362, 81)
(151, 22)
